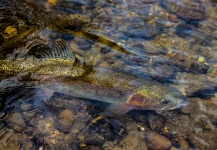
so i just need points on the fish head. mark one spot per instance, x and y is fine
(158, 97)
(171, 100)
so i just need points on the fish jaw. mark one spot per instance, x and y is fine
(179, 105)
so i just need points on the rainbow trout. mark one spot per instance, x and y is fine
(121, 89)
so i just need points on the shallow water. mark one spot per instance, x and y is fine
(170, 41)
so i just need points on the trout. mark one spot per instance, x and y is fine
(123, 90)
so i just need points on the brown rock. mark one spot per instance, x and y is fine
(156, 141)
(155, 121)
(134, 140)
(17, 122)
(27, 145)
(12, 141)
(66, 118)
(183, 144)
(177, 125)
(203, 133)
(149, 1)
(173, 18)
(185, 9)
(43, 125)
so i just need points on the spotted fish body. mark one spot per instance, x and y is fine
(18, 66)
(107, 85)
(56, 66)
(51, 58)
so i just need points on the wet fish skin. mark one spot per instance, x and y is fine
(50, 66)
(55, 69)
(44, 58)
(111, 86)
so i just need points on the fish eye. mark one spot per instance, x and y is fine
(165, 101)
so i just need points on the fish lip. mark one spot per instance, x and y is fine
(177, 106)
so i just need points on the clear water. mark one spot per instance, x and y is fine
(170, 41)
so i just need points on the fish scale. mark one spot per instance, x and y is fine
(103, 84)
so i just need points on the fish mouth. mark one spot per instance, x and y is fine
(176, 106)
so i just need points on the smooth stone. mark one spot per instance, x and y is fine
(185, 9)
(134, 140)
(156, 141)
(65, 120)
(17, 122)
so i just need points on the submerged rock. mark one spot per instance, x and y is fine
(185, 9)
(202, 113)
(17, 122)
(138, 28)
(155, 121)
(156, 141)
(65, 120)
(134, 140)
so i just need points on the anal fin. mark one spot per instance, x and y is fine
(117, 109)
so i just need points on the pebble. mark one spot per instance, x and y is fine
(137, 28)
(65, 120)
(184, 144)
(156, 141)
(85, 44)
(17, 122)
(173, 18)
(138, 143)
(177, 126)
(185, 9)
(155, 121)
(10, 31)
(13, 142)
(148, 1)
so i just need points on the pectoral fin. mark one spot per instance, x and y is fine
(117, 109)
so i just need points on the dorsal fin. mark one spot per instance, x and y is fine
(57, 49)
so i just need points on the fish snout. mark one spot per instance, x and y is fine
(173, 101)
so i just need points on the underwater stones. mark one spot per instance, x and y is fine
(139, 9)
(10, 31)
(65, 119)
(84, 44)
(134, 140)
(173, 18)
(11, 143)
(214, 1)
(138, 28)
(184, 145)
(63, 145)
(105, 50)
(148, 1)
(43, 125)
(27, 145)
(156, 141)
(197, 85)
(17, 122)
(177, 126)
(203, 119)
(115, 1)
(204, 139)
(91, 138)
(182, 30)
(185, 9)
(155, 121)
